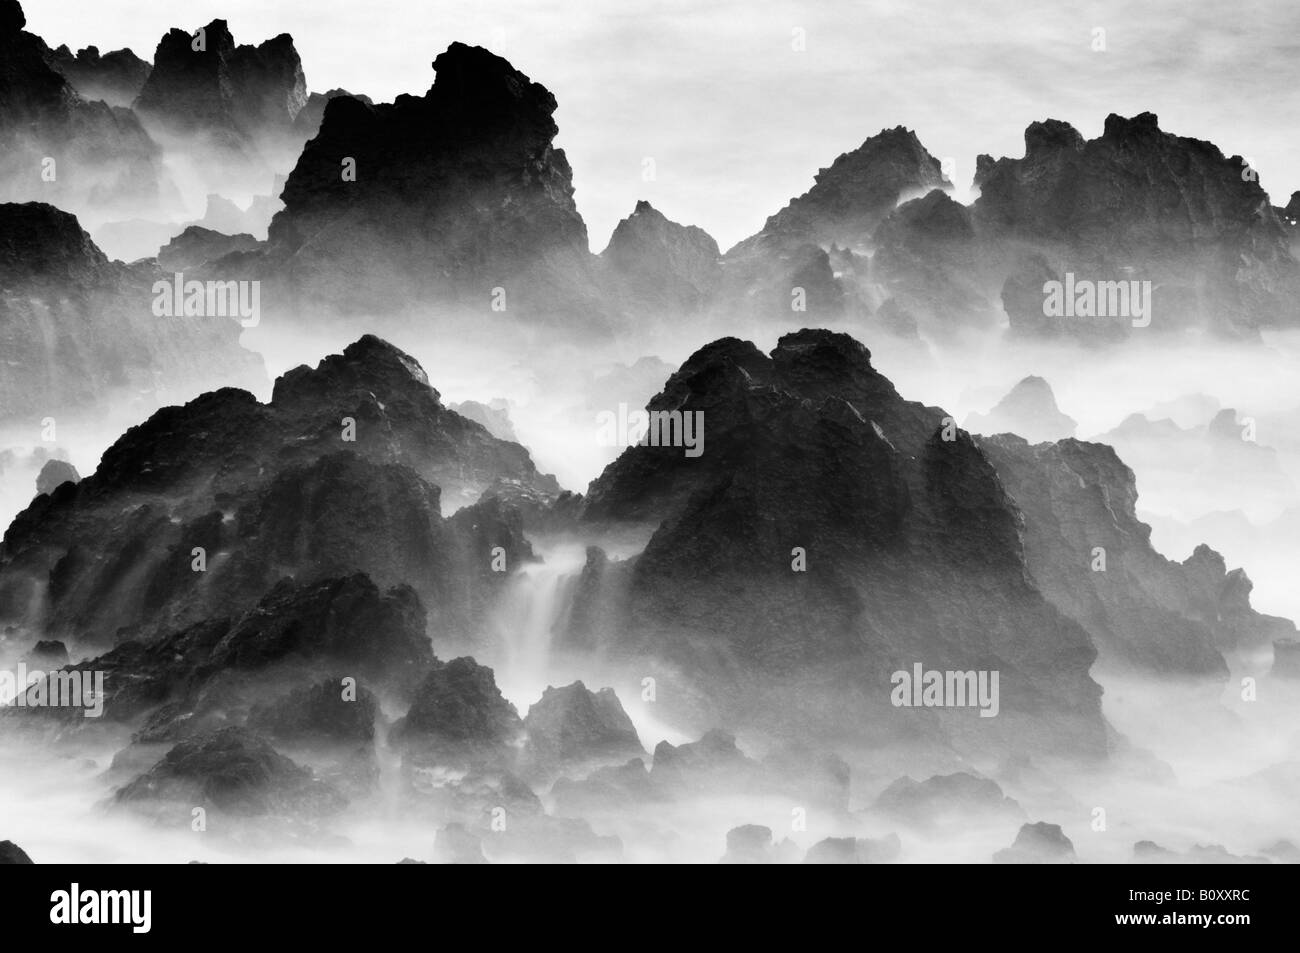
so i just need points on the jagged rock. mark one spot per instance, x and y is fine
(196, 246)
(266, 490)
(944, 797)
(494, 417)
(847, 850)
(712, 764)
(574, 725)
(812, 461)
(227, 92)
(1175, 211)
(1038, 843)
(1029, 410)
(661, 268)
(54, 474)
(853, 195)
(11, 853)
(103, 160)
(47, 654)
(456, 845)
(458, 716)
(319, 712)
(307, 122)
(931, 263)
(221, 671)
(234, 771)
(456, 193)
(78, 329)
(1139, 607)
(609, 789)
(115, 77)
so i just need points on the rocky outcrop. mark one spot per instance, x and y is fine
(573, 725)
(661, 269)
(1091, 556)
(455, 198)
(59, 148)
(829, 534)
(458, 717)
(944, 798)
(203, 83)
(851, 197)
(115, 77)
(1139, 203)
(54, 474)
(201, 509)
(197, 246)
(1029, 410)
(307, 123)
(78, 329)
(233, 771)
(1038, 843)
(11, 853)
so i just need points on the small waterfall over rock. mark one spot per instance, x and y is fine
(533, 611)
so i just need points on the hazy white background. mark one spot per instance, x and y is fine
(738, 121)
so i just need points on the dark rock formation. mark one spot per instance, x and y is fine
(612, 789)
(944, 798)
(812, 461)
(115, 77)
(458, 717)
(1038, 843)
(60, 148)
(197, 245)
(11, 853)
(573, 725)
(456, 193)
(320, 712)
(494, 417)
(205, 84)
(233, 771)
(1089, 554)
(307, 123)
(1139, 203)
(47, 654)
(77, 328)
(222, 671)
(201, 509)
(853, 195)
(54, 474)
(660, 268)
(712, 764)
(1029, 410)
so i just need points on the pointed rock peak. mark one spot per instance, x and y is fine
(369, 363)
(41, 241)
(1051, 135)
(471, 79)
(376, 352)
(643, 206)
(818, 344)
(1140, 126)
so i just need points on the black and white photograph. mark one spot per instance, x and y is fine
(692, 433)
